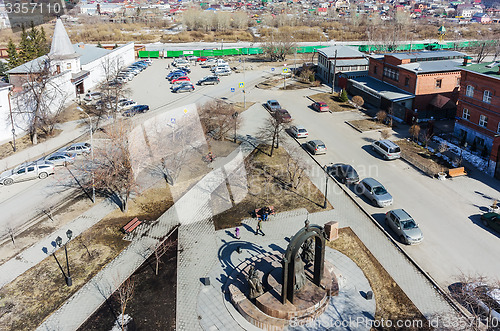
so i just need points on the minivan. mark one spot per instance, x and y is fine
(388, 149)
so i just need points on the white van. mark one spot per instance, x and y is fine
(223, 71)
(220, 67)
(388, 149)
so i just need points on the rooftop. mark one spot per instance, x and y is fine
(423, 55)
(89, 53)
(432, 66)
(377, 87)
(342, 52)
(491, 69)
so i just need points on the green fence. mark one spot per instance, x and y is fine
(148, 54)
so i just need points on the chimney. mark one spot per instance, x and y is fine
(467, 60)
(81, 45)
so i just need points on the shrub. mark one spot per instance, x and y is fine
(415, 131)
(381, 116)
(384, 134)
(343, 96)
(358, 100)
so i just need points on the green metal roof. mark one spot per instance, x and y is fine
(489, 69)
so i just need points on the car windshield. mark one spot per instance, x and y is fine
(321, 146)
(410, 224)
(302, 130)
(379, 190)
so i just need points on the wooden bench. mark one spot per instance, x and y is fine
(130, 226)
(457, 172)
(271, 208)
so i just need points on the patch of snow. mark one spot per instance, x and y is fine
(430, 149)
(118, 323)
(495, 294)
(475, 160)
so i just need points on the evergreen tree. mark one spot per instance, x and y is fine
(24, 46)
(33, 41)
(13, 55)
(343, 96)
(43, 46)
(99, 44)
(3, 68)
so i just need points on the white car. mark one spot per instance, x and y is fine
(60, 159)
(124, 105)
(222, 72)
(298, 131)
(180, 62)
(92, 96)
(26, 172)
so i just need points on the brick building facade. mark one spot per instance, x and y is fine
(478, 116)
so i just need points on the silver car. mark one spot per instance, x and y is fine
(27, 172)
(375, 192)
(316, 147)
(78, 149)
(404, 226)
(60, 159)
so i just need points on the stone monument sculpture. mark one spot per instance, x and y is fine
(255, 283)
(308, 251)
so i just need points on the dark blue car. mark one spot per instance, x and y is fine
(136, 110)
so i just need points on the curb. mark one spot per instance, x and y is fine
(352, 126)
(436, 286)
(415, 166)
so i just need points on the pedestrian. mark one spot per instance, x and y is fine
(265, 213)
(237, 233)
(259, 228)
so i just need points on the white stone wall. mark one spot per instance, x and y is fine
(5, 123)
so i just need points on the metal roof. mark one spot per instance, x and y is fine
(342, 52)
(353, 62)
(491, 69)
(422, 55)
(432, 66)
(61, 46)
(90, 53)
(377, 87)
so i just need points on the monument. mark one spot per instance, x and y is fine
(273, 289)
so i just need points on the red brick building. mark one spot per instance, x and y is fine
(478, 117)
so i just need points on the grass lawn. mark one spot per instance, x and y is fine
(331, 101)
(392, 302)
(23, 143)
(266, 178)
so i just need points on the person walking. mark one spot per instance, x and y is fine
(237, 233)
(259, 228)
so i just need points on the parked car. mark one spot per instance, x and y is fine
(92, 96)
(136, 110)
(492, 220)
(209, 63)
(209, 80)
(183, 88)
(223, 72)
(180, 62)
(185, 69)
(192, 58)
(180, 83)
(283, 114)
(375, 192)
(77, 148)
(25, 172)
(180, 79)
(404, 226)
(316, 147)
(202, 59)
(388, 149)
(59, 159)
(176, 75)
(298, 131)
(320, 106)
(147, 61)
(126, 105)
(272, 105)
(176, 72)
(220, 67)
(344, 172)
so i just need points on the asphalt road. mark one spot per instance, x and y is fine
(447, 211)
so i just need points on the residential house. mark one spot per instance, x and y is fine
(467, 10)
(414, 85)
(478, 119)
(482, 18)
(347, 59)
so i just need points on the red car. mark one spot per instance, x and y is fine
(320, 106)
(181, 79)
(201, 59)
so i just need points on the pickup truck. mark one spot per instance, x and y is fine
(27, 172)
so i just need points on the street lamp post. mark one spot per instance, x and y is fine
(91, 152)
(58, 243)
(235, 117)
(12, 123)
(326, 188)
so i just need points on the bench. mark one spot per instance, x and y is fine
(130, 226)
(256, 211)
(457, 172)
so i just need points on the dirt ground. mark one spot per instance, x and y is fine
(421, 158)
(154, 300)
(331, 101)
(266, 178)
(367, 125)
(24, 142)
(392, 302)
(240, 106)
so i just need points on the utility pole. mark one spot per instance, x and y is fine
(334, 69)
(12, 123)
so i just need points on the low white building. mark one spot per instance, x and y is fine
(74, 69)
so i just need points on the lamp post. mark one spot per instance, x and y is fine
(235, 117)
(326, 187)
(91, 152)
(58, 243)
(12, 123)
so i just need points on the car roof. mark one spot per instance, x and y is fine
(317, 142)
(388, 143)
(299, 127)
(371, 181)
(401, 214)
(271, 101)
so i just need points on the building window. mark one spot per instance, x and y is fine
(470, 91)
(487, 96)
(407, 81)
(391, 73)
(439, 82)
(68, 66)
(458, 81)
(466, 114)
(483, 121)
(375, 70)
(498, 127)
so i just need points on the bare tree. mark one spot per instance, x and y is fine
(112, 166)
(124, 294)
(385, 134)
(296, 169)
(381, 116)
(358, 101)
(41, 101)
(217, 118)
(161, 249)
(271, 131)
(278, 46)
(483, 48)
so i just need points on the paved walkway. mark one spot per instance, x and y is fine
(215, 310)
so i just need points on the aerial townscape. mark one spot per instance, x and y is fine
(249, 165)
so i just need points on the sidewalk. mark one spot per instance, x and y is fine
(70, 132)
